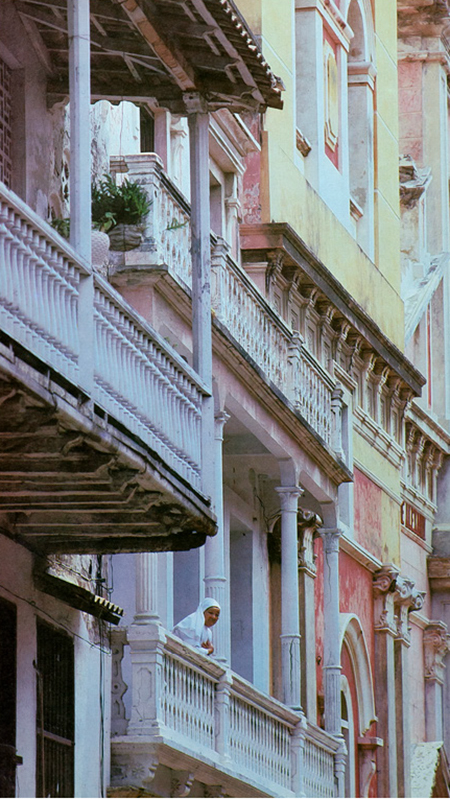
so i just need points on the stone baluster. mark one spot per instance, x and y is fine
(336, 409)
(406, 599)
(297, 757)
(290, 622)
(385, 632)
(436, 644)
(340, 763)
(222, 715)
(215, 580)
(331, 650)
(219, 267)
(307, 530)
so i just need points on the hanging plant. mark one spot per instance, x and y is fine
(120, 211)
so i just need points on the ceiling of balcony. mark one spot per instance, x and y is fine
(70, 482)
(157, 50)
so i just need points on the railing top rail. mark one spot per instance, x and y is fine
(258, 297)
(193, 658)
(245, 690)
(44, 228)
(322, 738)
(108, 290)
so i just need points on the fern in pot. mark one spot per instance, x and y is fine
(120, 212)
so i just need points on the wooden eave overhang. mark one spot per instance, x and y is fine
(259, 241)
(158, 51)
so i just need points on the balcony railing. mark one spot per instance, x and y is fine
(236, 301)
(75, 322)
(213, 715)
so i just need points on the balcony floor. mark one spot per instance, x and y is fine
(73, 480)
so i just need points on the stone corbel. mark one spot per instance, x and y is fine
(406, 599)
(181, 783)
(308, 524)
(275, 260)
(367, 749)
(214, 791)
(436, 644)
(384, 582)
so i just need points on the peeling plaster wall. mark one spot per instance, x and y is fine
(16, 585)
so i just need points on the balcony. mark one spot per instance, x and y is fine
(101, 419)
(239, 309)
(192, 715)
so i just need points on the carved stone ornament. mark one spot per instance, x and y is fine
(181, 783)
(436, 644)
(308, 525)
(384, 579)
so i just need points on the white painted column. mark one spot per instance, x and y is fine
(331, 645)
(215, 580)
(80, 132)
(78, 21)
(198, 120)
(146, 638)
(146, 588)
(290, 621)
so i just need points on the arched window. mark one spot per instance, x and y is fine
(361, 84)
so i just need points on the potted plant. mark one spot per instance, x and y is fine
(99, 241)
(120, 211)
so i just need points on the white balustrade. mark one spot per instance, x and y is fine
(237, 303)
(138, 379)
(318, 763)
(214, 714)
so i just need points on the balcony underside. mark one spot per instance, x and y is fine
(156, 50)
(71, 480)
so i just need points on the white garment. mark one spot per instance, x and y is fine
(192, 628)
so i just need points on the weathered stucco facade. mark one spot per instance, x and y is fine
(252, 404)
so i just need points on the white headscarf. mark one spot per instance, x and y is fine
(192, 628)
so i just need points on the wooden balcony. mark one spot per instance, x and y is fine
(101, 420)
(200, 718)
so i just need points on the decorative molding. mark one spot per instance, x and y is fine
(308, 525)
(181, 783)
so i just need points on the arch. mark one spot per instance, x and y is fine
(359, 18)
(353, 634)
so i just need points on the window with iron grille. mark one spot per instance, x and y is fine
(55, 712)
(8, 646)
(5, 123)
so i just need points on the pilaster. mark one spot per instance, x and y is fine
(436, 644)
(331, 650)
(406, 599)
(384, 682)
(308, 524)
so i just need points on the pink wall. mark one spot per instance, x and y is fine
(410, 107)
(368, 514)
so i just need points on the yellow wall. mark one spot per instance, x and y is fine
(375, 286)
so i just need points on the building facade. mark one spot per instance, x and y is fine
(251, 404)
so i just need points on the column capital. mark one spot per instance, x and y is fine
(289, 497)
(195, 103)
(436, 644)
(330, 537)
(220, 419)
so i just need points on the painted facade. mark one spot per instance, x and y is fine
(250, 405)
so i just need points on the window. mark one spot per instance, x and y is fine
(55, 716)
(8, 637)
(147, 129)
(5, 124)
